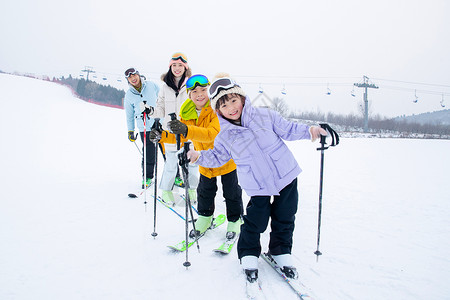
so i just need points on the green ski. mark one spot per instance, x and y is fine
(227, 246)
(219, 220)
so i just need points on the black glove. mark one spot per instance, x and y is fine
(177, 127)
(131, 136)
(155, 135)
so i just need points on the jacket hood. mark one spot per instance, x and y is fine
(188, 110)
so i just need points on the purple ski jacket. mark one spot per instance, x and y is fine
(264, 163)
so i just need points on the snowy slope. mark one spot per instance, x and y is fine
(68, 230)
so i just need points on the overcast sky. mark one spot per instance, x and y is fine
(302, 46)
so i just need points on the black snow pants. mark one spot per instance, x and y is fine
(232, 192)
(150, 155)
(282, 212)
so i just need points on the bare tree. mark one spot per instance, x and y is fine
(279, 105)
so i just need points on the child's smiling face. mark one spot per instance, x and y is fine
(177, 69)
(199, 96)
(232, 107)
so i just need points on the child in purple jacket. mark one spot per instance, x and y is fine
(253, 138)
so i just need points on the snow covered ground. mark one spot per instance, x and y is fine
(69, 231)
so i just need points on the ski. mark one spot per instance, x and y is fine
(184, 198)
(253, 288)
(131, 195)
(219, 220)
(160, 200)
(254, 291)
(227, 246)
(295, 284)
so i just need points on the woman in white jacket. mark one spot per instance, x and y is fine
(171, 96)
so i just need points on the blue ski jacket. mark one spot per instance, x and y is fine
(132, 101)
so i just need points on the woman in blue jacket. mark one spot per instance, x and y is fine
(141, 93)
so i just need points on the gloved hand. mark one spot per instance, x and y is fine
(177, 127)
(144, 107)
(154, 135)
(131, 136)
(316, 132)
(193, 155)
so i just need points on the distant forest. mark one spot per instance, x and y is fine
(91, 90)
(377, 124)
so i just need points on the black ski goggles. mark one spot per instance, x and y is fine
(221, 84)
(130, 71)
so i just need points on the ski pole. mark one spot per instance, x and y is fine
(156, 125)
(145, 109)
(144, 158)
(184, 162)
(335, 141)
(173, 116)
(137, 145)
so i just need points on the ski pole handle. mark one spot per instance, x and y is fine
(186, 149)
(173, 116)
(332, 133)
(156, 124)
(146, 109)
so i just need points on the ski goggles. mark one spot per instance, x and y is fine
(221, 84)
(130, 71)
(196, 80)
(178, 56)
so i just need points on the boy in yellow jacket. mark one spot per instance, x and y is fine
(199, 123)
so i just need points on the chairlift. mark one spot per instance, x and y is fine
(442, 101)
(353, 92)
(104, 78)
(416, 99)
(94, 76)
(283, 90)
(328, 90)
(260, 89)
(119, 79)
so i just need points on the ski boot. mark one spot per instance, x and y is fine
(252, 275)
(167, 197)
(201, 225)
(233, 229)
(179, 182)
(193, 195)
(146, 183)
(290, 272)
(286, 266)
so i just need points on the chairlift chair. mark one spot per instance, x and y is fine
(260, 89)
(328, 90)
(416, 99)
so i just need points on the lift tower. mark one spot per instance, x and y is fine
(365, 84)
(88, 70)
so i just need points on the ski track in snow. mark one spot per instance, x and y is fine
(69, 231)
